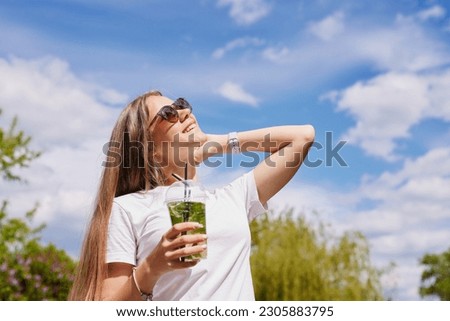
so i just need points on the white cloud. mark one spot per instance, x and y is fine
(387, 106)
(329, 27)
(403, 281)
(429, 166)
(235, 92)
(237, 43)
(246, 12)
(434, 12)
(69, 121)
(277, 55)
(404, 242)
(415, 198)
(404, 46)
(63, 180)
(52, 104)
(345, 41)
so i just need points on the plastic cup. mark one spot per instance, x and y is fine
(190, 207)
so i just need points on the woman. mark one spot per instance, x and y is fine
(131, 251)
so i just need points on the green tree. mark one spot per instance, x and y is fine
(29, 270)
(14, 150)
(435, 279)
(293, 260)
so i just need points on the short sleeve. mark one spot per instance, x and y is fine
(253, 204)
(121, 243)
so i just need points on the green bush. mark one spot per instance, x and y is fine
(28, 269)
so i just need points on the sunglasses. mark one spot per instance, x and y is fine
(170, 113)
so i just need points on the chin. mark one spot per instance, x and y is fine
(197, 134)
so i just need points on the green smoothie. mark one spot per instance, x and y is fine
(181, 211)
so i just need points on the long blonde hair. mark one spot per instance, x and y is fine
(132, 169)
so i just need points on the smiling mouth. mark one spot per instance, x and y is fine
(189, 128)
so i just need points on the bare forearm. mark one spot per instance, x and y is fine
(270, 139)
(121, 285)
(126, 291)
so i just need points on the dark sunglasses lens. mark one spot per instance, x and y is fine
(169, 114)
(181, 103)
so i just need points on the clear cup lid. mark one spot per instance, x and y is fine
(186, 190)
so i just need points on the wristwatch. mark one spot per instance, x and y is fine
(233, 143)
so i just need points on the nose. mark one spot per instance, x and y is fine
(183, 114)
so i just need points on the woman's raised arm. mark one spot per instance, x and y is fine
(287, 145)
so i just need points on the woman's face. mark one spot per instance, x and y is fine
(174, 142)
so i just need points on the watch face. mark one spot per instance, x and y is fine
(234, 144)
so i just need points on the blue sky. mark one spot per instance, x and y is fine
(373, 74)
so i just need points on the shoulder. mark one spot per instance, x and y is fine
(140, 198)
(140, 205)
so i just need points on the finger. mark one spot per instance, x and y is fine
(185, 251)
(177, 264)
(182, 227)
(185, 240)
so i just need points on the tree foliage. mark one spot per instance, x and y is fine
(435, 279)
(29, 270)
(14, 150)
(293, 260)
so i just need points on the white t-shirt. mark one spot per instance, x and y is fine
(139, 220)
